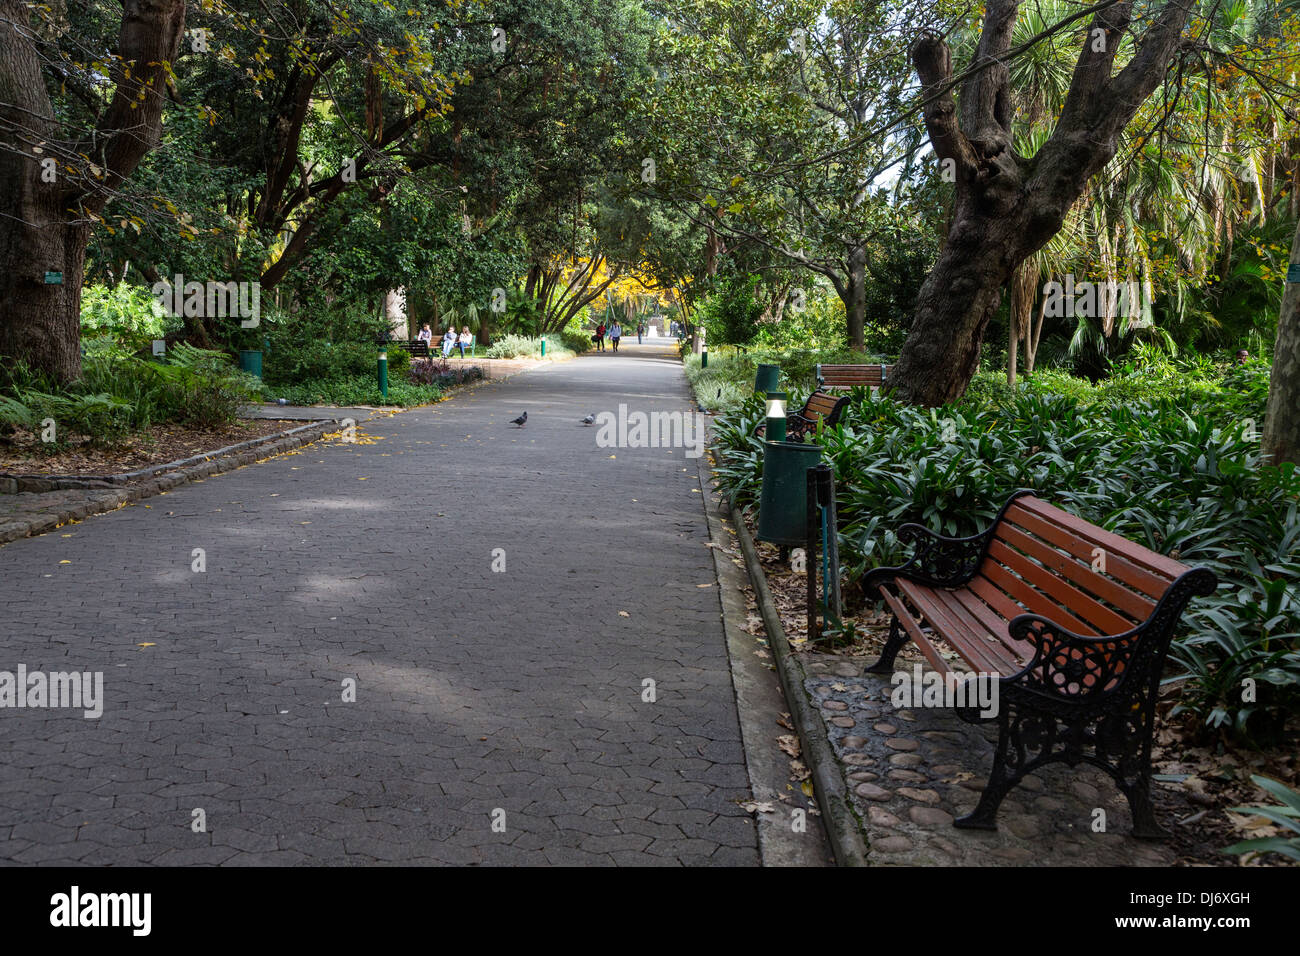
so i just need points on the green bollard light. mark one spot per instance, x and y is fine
(543, 348)
(776, 421)
(383, 372)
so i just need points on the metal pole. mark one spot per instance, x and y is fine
(383, 372)
(830, 537)
(811, 555)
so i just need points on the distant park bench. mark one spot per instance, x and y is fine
(1071, 621)
(852, 376)
(821, 407)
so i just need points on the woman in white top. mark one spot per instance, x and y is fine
(464, 340)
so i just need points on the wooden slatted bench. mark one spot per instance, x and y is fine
(852, 376)
(417, 347)
(821, 407)
(1073, 620)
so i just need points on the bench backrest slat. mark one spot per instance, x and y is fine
(1159, 566)
(821, 404)
(1030, 598)
(1100, 618)
(850, 376)
(1125, 586)
(1049, 562)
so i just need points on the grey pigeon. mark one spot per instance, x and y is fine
(589, 420)
(520, 420)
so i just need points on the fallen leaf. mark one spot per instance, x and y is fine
(753, 806)
(789, 744)
(624, 614)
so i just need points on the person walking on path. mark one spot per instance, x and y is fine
(615, 333)
(640, 331)
(448, 341)
(600, 337)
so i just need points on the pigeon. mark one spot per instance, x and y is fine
(520, 420)
(589, 420)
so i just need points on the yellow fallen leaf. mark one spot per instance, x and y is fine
(704, 585)
(65, 562)
(146, 644)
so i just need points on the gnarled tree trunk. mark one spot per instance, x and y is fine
(1008, 206)
(1281, 438)
(46, 209)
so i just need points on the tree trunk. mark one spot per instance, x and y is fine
(855, 305)
(395, 312)
(1281, 438)
(1033, 335)
(1023, 291)
(44, 225)
(1013, 341)
(1007, 206)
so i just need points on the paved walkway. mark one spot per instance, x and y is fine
(515, 698)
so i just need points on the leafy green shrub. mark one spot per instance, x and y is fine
(126, 313)
(307, 361)
(575, 339)
(207, 388)
(356, 390)
(522, 346)
(99, 417)
(729, 315)
(192, 385)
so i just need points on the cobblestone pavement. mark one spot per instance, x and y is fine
(514, 698)
(910, 772)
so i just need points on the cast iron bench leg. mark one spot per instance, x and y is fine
(897, 638)
(999, 784)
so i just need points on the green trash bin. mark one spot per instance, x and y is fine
(783, 504)
(768, 379)
(250, 360)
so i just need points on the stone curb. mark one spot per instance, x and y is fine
(838, 817)
(105, 497)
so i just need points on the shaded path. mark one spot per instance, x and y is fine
(476, 691)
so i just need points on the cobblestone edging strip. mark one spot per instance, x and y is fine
(842, 826)
(67, 498)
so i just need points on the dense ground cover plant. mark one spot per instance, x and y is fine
(1171, 461)
(121, 392)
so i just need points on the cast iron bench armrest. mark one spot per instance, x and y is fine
(937, 560)
(1063, 659)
